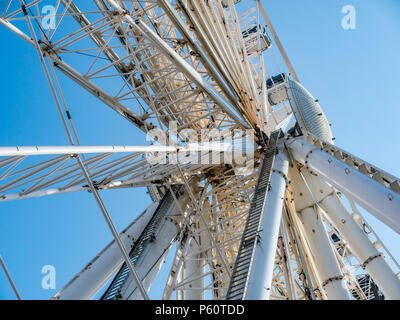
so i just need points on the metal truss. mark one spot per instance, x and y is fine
(107, 48)
(36, 176)
(179, 68)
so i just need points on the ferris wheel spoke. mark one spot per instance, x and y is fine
(98, 32)
(15, 6)
(194, 69)
(115, 168)
(183, 28)
(225, 219)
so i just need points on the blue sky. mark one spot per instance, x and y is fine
(355, 74)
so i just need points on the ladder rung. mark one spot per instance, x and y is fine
(246, 249)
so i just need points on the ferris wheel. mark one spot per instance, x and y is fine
(245, 181)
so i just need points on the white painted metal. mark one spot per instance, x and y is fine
(188, 61)
(82, 166)
(320, 193)
(235, 146)
(289, 275)
(371, 195)
(261, 268)
(308, 112)
(43, 150)
(110, 170)
(181, 64)
(194, 269)
(97, 272)
(18, 32)
(151, 275)
(151, 260)
(207, 61)
(10, 280)
(331, 276)
(362, 248)
(113, 230)
(195, 76)
(180, 277)
(277, 41)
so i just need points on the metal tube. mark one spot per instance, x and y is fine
(380, 201)
(292, 283)
(208, 44)
(236, 146)
(328, 267)
(261, 269)
(191, 73)
(81, 164)
(176, 268)
(113, 230)
(298, 243)
(173, 15)
(15, 30)
(182, 65)
(103, 96)
(3, 265)
(277, 41)
(47, 150)
(179, 292)
(362, 248)
(149, 263)
(194, 268)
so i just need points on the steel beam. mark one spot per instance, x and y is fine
(329, 272)
(261, 269)
(370, 259)
(149, 263)
(174, 16)
(278, 42)
(194, 269)
(380, 201)
(10, 280)
(181, 64)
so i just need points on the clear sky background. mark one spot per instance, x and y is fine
(355, 74)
